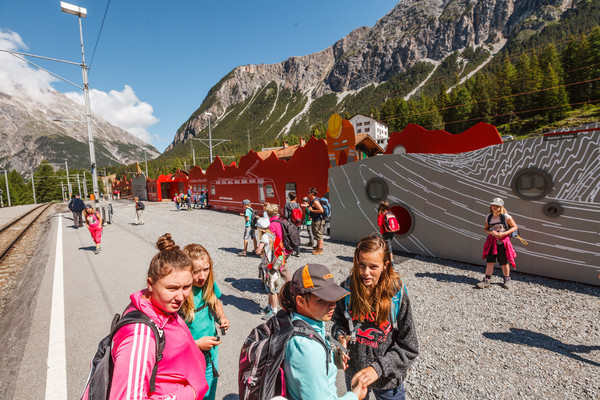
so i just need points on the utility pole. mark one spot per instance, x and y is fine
(62, 190)
(85, 193)
(78, 185)
(7, 189)
(68, 181)
(33, 187)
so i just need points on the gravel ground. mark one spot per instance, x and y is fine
(538, 340)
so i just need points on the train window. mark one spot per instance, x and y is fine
(376, 189)
(212, 190)
(270, 191)
(531, 184)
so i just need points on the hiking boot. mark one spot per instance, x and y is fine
(485, 283)
(268, 315)
(506, 283)
(317, 252)
(242, 253)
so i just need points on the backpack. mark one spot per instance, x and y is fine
(390, 222)
(261, 373)
(291, 234)
(100, 378)
(253, 219)
(294, 213)
(516, 233)
(326, 207)
(269, 269)
(394, 310)
(140, 206)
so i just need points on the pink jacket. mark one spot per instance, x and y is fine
(181, 369)
(490, 243)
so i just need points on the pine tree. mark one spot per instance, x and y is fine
(504, 84)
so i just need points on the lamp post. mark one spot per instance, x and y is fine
(209, 135)
(81, 12)
(146, 161)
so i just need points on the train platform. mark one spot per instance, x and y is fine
(67, 296)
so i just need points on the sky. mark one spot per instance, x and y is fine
(155, 61)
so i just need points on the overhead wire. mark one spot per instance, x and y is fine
(99, 33)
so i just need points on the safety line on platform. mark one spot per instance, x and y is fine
(56, 375)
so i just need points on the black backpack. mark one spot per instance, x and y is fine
(253, 219)
(291, 234)
(263, 352)
(516, 233)
(140, 206)
(102, 366)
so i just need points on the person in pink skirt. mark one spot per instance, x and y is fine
(93, 220)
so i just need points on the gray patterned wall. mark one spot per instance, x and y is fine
(449, 195)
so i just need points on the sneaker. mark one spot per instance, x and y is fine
(264, 310)
(96, 251)
(485, 283)
(268, 315)
(506, 283)
(296, 254)
(317, 252)
(242, 253)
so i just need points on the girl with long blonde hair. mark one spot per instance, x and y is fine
(375, 323)
(202, 310)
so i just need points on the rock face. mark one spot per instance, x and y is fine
(415, 30)
(31, 132)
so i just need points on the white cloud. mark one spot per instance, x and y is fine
(122, 109)
(17, 78)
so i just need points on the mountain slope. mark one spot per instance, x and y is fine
(417, 45)
(31, 132)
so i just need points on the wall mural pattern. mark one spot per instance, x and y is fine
(550, 185)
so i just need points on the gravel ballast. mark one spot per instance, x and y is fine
(540, 339)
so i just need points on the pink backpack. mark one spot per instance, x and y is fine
(390, 222)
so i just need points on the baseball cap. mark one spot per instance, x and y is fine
(317, 279)
(305, 199)
(497, 201)
(88, 206)
(245, 201)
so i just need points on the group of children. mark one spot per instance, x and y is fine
(198, 200)
(373, 336)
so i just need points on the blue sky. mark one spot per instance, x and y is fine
(156, 60)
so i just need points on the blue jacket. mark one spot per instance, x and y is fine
(76, 205)
(305, 369)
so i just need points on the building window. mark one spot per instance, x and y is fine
(531, 184)
(367, 122)
(359, 124)
(358, 131)
(376, 189)
(366, 129)
(270, 191)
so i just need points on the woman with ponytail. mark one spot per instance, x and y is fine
(181, 372)
(375, 323)
(202, 311)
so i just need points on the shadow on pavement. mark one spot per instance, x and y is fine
(231, 396)
(247, 285)
(346, 258)
(539, 340)
(89, 248)
(234, 250)
(441, 277)
(241, 304)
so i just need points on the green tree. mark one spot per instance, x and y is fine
(46, 183)
(504, 84)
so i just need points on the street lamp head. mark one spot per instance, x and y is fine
(73, 9)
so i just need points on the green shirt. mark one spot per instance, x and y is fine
(204, 322)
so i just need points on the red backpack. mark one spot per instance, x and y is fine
(296, 216)
(390, 222)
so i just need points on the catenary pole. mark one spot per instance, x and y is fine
(33, 188)
(7, 188)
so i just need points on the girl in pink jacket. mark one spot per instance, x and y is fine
(181, 372)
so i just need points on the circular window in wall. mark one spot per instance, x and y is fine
(532, 184)
(552, 210)
(399, 149)
(376, 189)
(405, 218)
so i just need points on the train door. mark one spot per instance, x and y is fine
(289, 187)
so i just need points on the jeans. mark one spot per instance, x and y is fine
(387, 237)
(397, 393)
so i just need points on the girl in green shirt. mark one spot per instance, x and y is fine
(203, 311)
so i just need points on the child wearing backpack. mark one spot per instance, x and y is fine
(376, 323)
(273, 271)
(293, 213)
(385, 229)
(310, 371)
(202, 310)
(248, 215)
(93, 220)
(137, 372)
(499, 226)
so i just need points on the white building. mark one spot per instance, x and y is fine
(376, 129)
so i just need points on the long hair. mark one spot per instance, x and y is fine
(169, 258)
(198, 252)
(377, 301)
(502, 210)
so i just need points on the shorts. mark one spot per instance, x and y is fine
(317, 228)
(248, 233)
(500, 257)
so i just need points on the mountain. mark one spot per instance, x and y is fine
(416, 43)
(31, 132)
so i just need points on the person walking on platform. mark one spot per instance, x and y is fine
(202, 310)
(180, 373)
(139, 210)
(308, 223)
(375, 323)
(318, 219)
(499, 226)
(76, 205)
(93, 220)
(248, 215)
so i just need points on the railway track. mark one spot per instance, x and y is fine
(10, 234)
